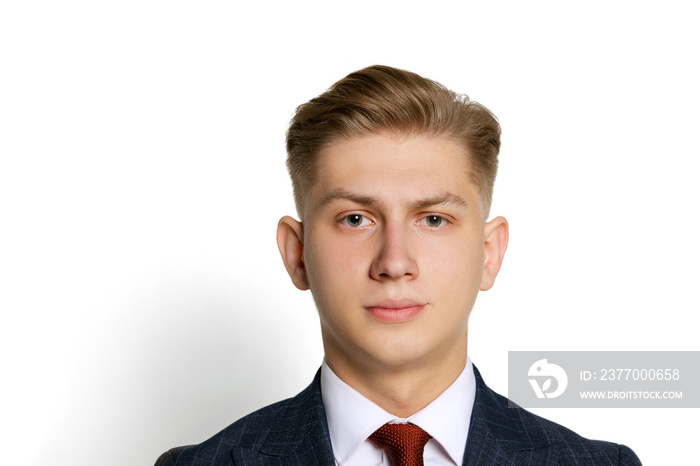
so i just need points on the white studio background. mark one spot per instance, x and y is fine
(143, 303)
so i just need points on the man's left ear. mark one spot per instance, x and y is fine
(495, 244)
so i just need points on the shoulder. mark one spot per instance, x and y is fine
(499, 422)
(295, 426)
(571, 447)
(247, 432)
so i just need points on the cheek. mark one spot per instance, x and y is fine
(333, 269)
(458, 256)
(456, 270)
(331, 253)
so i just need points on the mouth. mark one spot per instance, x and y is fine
(395, 311)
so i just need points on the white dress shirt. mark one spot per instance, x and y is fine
(352, 418)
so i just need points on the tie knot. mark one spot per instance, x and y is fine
(403, 443)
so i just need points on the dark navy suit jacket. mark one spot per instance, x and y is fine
(295, 432)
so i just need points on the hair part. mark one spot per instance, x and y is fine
(385, 99)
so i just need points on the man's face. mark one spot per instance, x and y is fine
(394, 250)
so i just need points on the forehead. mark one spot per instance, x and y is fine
(395, 167)
(380, 150)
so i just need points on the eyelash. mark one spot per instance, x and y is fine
(443, 221)
(345, 220)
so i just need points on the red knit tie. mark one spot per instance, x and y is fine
(403, 443)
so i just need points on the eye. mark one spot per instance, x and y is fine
(434, 221)
(355, 221)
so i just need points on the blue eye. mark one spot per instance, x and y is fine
(355, 220)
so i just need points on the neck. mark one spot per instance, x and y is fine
(400, 390)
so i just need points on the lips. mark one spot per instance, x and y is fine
(395, 311)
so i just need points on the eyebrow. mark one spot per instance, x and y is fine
(445, 198)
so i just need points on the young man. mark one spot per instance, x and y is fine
(392, 177)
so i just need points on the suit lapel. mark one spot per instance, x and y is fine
(498, 436)
(298, 436)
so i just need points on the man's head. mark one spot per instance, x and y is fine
(393, 242)
(389, 100)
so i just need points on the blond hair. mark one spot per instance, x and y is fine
(382, 98)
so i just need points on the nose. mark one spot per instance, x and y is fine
(394, 258)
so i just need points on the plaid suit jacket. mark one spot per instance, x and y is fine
(295, 432)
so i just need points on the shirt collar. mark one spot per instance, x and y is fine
(352, 418)
(446, 418)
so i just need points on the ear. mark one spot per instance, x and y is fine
(290, 241)
(495, 244)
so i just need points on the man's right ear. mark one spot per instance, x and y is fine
(290, 241)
